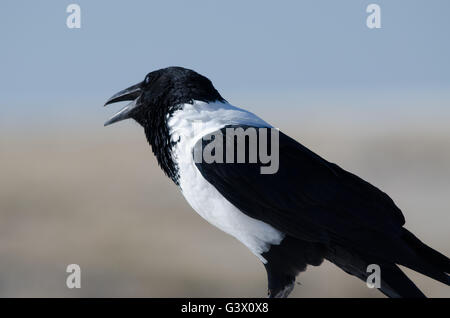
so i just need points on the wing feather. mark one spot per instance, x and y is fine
(308, 198)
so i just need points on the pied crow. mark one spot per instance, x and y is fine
(307, 210)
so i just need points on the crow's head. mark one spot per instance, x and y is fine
(160, 93)
(155, 99)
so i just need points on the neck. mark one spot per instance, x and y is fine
(158, 136)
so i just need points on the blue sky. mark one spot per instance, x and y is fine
(251, 48)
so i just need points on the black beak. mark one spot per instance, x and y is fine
(131, 93)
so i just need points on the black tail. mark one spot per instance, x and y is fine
(412, 253)
(395, 284)
(424, 259)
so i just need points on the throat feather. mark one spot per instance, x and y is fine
(158, 136)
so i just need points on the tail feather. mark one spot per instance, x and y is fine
(425, 260)
(409, 252)
(395, 284)
(434, 257)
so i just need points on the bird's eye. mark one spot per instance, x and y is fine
(147, 80)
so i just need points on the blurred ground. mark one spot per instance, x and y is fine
(97, 198)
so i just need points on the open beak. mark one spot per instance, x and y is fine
(131, 93)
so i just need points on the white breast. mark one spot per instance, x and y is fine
(190, 124)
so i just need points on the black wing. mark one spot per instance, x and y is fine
(308, 198)
(324, 211)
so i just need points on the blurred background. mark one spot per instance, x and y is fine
(374, 101)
